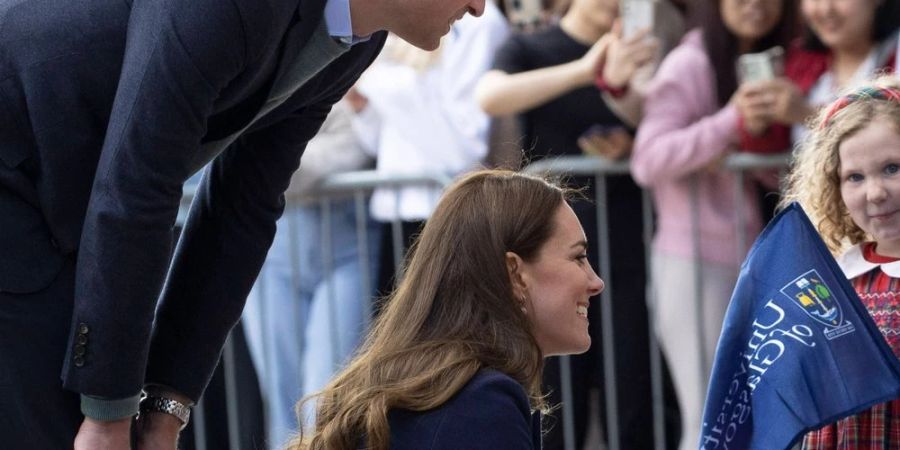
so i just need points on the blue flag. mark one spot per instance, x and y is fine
(798, 349)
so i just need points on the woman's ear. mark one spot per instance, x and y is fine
(514, 267)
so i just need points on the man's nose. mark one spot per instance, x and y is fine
(476, 7)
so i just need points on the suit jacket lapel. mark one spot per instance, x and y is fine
(309, 14)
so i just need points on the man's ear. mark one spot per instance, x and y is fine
(514, 267)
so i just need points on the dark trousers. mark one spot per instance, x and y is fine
(35, 412)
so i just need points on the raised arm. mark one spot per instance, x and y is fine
(230, 228)
(501, 93)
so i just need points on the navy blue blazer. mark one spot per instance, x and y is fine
(491, 412)
(104, 107)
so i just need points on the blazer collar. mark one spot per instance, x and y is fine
(309, 14)
(853, 264)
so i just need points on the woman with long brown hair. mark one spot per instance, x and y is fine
(498, 279)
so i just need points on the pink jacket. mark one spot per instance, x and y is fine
(681, 138)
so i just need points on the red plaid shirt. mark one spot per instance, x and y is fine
(877, 428)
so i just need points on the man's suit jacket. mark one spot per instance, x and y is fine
(491, 412)
(104, 107)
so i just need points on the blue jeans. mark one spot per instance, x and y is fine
(302, 320)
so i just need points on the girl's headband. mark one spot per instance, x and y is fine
(875, 93)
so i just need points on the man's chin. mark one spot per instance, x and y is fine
(427, 43)
(429, 46)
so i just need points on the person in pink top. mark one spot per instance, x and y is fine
(692, 117)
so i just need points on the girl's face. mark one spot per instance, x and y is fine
(750, 20)
(870, 182)
(559, 284)
(841, 24)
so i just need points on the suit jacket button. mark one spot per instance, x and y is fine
(81, 339)
(79, 350)
(79, 361)
(83, 328)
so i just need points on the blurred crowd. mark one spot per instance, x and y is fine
(673, 86)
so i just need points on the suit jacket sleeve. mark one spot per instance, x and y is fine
(230, 228)
(178, 56)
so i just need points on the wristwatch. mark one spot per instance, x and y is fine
(165, 405)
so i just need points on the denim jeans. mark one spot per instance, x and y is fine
(303, 319)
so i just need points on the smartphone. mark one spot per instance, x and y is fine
(760, 66)
(636, 15)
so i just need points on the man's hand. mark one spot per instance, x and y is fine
(157, 431)
(104, 435)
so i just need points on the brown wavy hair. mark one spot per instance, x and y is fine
(453, 313)
(814, 180)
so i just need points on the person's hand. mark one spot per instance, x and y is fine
(157, 431)
(755, 102)
(626, 55)
(587, 65)
(357, 101)
(789, 105)
(717, 164)
(103, 435)
(614, 145)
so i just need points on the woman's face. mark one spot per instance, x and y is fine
(750, 20)
(599, 13)
(559, 284)
(841, 24)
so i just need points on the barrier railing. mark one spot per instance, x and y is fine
(335, 187)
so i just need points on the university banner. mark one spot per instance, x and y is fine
(798, 349)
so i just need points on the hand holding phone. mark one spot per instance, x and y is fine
(762, 66)
(610, 142)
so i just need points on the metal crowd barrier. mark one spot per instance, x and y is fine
(359, 184)
(339, 186)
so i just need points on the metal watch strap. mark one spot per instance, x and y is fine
(152, 403)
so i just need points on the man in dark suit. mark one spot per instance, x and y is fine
(106, 108)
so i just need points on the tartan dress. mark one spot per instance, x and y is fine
(877, 428)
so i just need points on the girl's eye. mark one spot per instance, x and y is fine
(854, 178)
(891, 168)
(582, 257)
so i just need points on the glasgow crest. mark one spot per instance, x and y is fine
(809, 292)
